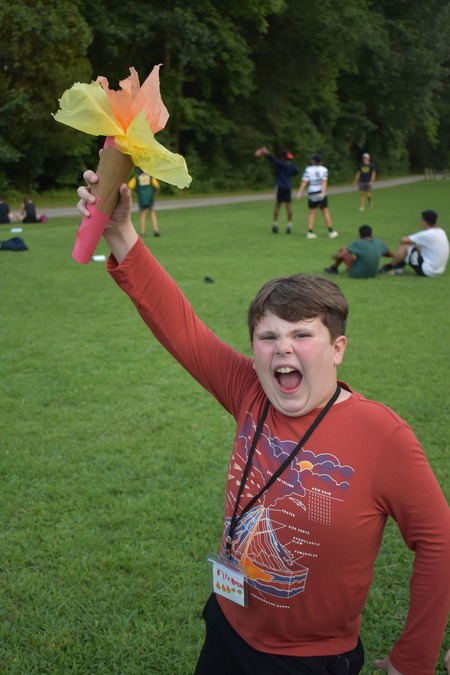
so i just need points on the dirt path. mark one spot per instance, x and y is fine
(192, 202)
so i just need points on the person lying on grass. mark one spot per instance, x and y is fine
(315, 471)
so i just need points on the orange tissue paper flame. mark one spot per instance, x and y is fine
(131, 116)
(133, 98)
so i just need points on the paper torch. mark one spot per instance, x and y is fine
(129, 119)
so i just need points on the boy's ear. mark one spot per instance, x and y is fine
(340, 345)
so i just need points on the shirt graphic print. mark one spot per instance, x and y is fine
(273, 541)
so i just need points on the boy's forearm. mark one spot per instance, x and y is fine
(121, 240)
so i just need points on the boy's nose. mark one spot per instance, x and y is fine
(284, 345)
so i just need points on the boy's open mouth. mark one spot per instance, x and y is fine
(288, 378)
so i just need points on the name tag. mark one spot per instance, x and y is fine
(228, 580)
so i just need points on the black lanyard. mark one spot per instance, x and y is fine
(235, 519)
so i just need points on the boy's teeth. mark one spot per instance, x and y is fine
(285, 370)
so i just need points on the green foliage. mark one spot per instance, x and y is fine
(341, 76)
(44, 53)
(398, 83)
(114, 460)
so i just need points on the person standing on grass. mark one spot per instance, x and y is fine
(284, 171)
(315, 177)
(315, 471)
(426, 251)
(361, 257)
(365, 176)
(147, 187)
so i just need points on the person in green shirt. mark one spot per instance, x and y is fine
(147, 187)
(362, 256)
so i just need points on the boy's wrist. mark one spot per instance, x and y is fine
(121, 240)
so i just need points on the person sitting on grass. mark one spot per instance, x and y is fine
(315, 471)
(425, 251)
(362, 256)
(28, 213)
(5, 213)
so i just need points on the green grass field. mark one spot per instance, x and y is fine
(113, 461)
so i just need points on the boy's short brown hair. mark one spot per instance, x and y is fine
(298, 297)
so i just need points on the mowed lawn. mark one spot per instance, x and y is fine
(113, 461)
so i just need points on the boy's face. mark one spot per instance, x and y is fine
(296, 363)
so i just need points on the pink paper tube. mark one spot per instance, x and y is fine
(113, 169)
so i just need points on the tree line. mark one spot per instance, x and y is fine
(338, 77)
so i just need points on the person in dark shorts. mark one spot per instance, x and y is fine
(147, 187)
(426, 251)
(284, 171)
(315, 176)
(314, 472)
(365, 176)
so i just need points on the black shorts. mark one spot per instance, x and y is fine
(147, 204)
(225, 652)
(323, 204)
(364, 187)
(283, 195)
(415, 260)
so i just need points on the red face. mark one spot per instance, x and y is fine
(296, 363)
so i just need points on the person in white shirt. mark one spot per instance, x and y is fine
(426, 251)
(315, 177)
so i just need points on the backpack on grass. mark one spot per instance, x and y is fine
(14, 244)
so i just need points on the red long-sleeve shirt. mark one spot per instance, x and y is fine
(309, 544)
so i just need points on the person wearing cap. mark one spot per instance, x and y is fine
(362, 256)
(315, 177)
(284, 171)
(365, 176)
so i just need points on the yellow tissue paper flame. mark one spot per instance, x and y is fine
(132, 116)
